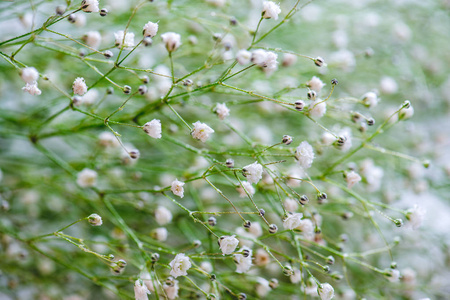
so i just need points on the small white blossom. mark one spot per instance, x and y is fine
(292, 221)
(392, 275)
(79, 86)
(163, 216)
(228, 244)
(253, 172)
(90, 97)
(307, 228)
(346, 134)
(93, 39)
(127, 43)
(243, 263)
(311, 288)
(262, 287)
(90, 5)
(150, 29)
(172, 40)
(271, 10)
(107, 139)
(222, 110)
(406, 113)
(265, 59)
(304, 154)
(87, 178)
(290, 205)
(388, 85)
(29, 75)
(328, 139)
(318, 108)
(415, 216)
(370, 99)
(326, 291)
(32, 89)
(95, 220)
(140, 290)
(296, 277)
(171, 290)
(243, 57)
(289, 59)
(160, 234)
(201, 131)
(153, 128)
(256, 229)
(177, 188)
(180, 264)
(147, 279)
(206, 266)
(352, 178)
(315, 84)
(248, 187)
(262, 258)
(373, 174)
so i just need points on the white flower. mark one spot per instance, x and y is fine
(328, 139)
(346, 134)
(370, 99)
(290, 205)
(29, 75)
(206, 266)
(228, 244)
(93, 39)
(318, 108)
(296, 276)
(406, 113)
(172, 40)
(248, 187)
(243, 263)
(265, 59)
(255, 229)
(311, 287)
(32, 88)
(177, 188)
(153, 128)
(388, 85)
(79, 86)
(372, 173)
(289, 59)
(147, 279)
(415, 216)
(90, 97)
(160, 234)
(90, 6)
(306, 226)
(315, 84)
(128, 43)
(222, 110)
(180, 264)
(352, 178)
(292, 221)
(87, 178)
(201, 131)
(163, 216)
(262, 287)
(326, 291)
(171, 290)
(150, 29)
(95, 220)
(304, 154)
(243, 57)
(107, 139)
(140, 290)
(270, 10)
(262, 258)
(245, 238)
(392, 275)
(253, 172)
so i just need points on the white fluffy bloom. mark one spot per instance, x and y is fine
(243, 57)
(153, 128)
(296, 276)
(90, 97)
(201, 131)
(29, 75)
(318, 108)
(289, 59)
(177, 188)
(271, 10)
(163, 216)
(90, 6)
(127, 43)
(87, 178)
(32, 88)
(315, 84)
(95, 220)
(147, 279)
(370, 99)
(180, 264)
(262, 258)
(255, 229)
(172, 40)
(265, 59)
(243, 263)
(392, 275)
(150, 29)
(93, 39)
(248, 187)
(306, 226)
(388, 85)
(352, 178)
(222, 110)
(415, 216)
(327, 139)
(253, 172)
(228, 244)
(292, 221)
(345, 133)
(171, 290)
(372, 173)
(406, 113)
(304, 154)
(79, 86)
(160, 234)
(140, 290)
(206, 266)
(326, 291)
(107, 139)
(262, 287)
(290, 205)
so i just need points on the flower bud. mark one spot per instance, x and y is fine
(318, 61)
(247, 224)
(334, 81)
(304, 200)
(147, 41)
(287, 139)
(273, 228)
(229, 163)
(311, 95)
(398, 222)
(108, 54)
(299, 105)
(103, 12)
(142, 89)
(95, 220)
(212, 221)
(126, 89)
(242, 296)
(273, 283)
(155, 257)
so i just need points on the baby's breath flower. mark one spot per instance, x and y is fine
(352, 178)
(289, 59)
(163, 216)
(262, 258)
(292, 221)
(370, 99)
(79, 86)
(222, 110)
(201, 131)
(306, 226)
(248, 187)
(128, 43)
(95, 220)
(326, 291)
(93, 39)
(180, 264)
(171, 289)
(262, 287)
(32, 89)
(271, 10)
(392, 275)
(243, 57)
(160, 234)
(255, 229)
(315, 84)
(406, 112)
(177, 188)
(87, 178)
(296, 277)
(415, 216)
(89, 6)
(153, 128)
(228, 244)
(140, 290)
(304, 155)
(253, 172)
(243, 260)
(107, 139)
(29, 75)
(150, 29)
(265, 59)
(172, 40)
(318, 108)
(290, 205)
